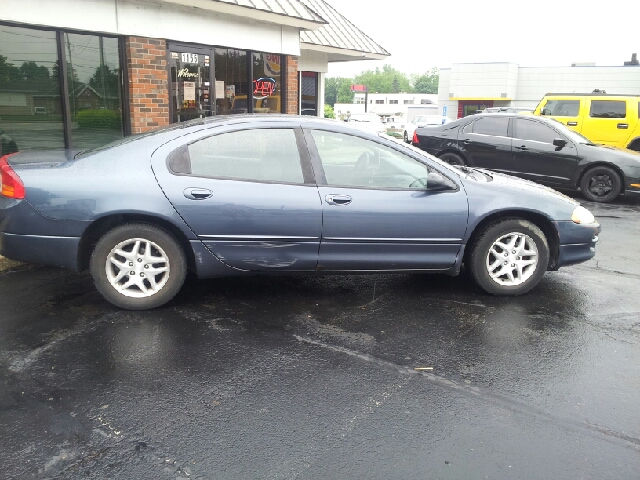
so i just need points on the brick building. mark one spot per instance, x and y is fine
(81, 73)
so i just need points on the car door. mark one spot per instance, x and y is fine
(377, 214)
(608, 122)
(486, 142)
(536, 158)
(248, 194)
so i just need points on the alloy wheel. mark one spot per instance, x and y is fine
(137, 268)
(512, 259)
(600, 185)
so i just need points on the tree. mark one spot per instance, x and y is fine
(427, 82)
(8, 71)
(33, 71)
(382, 81)
(395, 85)
(328, 111)
(105, 81)
(338, 90)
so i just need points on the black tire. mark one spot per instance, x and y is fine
(601, 184)
(175, 276)
(635, 145)
(406, 137)
(481, 255)
(452, 159)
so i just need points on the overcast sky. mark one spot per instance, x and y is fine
(421, 34)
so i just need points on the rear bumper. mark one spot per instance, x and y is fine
(577, 243)
(42, 250)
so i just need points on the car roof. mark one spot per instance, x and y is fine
(592, 94)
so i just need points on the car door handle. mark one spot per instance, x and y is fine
(338, 199)
(572, 124)
(623, 125)
(467, 141)
(522, 147)
(197, 193)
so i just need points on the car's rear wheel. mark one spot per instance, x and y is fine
(138, 266)
(405, 137)
(452, 159)
(601, 184)
(509, 257)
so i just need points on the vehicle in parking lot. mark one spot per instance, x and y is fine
(602, 118)
(7, 144)
(538, 149)
(422, 121)
(370, 121)
(278, 194)
(521, 110)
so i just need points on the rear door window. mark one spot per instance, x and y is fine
(495, 127)
(261, 155)
(561, 108)
(608, 109)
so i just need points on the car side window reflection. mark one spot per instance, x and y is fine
(495, 127)
(353, 161)
(262, 155)
(534, 131)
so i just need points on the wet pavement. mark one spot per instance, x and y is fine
(314, 377)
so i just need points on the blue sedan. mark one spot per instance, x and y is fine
(278, 194)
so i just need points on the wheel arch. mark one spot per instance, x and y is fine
(634, 144)
(590, 166)
(102, 225)
(455, 152)
(541, 221)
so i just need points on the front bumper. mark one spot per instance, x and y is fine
(577, 242)
(42, 250)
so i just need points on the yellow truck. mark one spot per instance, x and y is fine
(602, 118)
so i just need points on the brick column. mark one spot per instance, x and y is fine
(148, 83)
(292, 85)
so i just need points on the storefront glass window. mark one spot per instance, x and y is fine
(309, 89)
(30, 100)
(231, 83)
(190, 85)
(93, 86)
(267, 83)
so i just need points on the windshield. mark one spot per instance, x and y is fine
(573, 136)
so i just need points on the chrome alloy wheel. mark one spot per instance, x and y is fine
(137, 268)
(512, 259)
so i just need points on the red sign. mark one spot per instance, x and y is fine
(264, 87)
(358, 88)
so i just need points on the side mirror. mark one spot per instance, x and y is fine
(559, 142)
(439, 183)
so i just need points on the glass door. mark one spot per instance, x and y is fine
(191, 92)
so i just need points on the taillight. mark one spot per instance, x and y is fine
(415, 140)
(12, 186)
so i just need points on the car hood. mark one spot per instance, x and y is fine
(611, 154)
(490, 191)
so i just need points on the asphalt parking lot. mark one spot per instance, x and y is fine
(314, 377)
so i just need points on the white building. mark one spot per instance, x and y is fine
(392, 107)
(467, 87)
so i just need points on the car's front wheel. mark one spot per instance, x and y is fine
(452, 159)
(509, 257)
(601, 184)
(138, 266)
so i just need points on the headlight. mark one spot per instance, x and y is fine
(582, 215)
